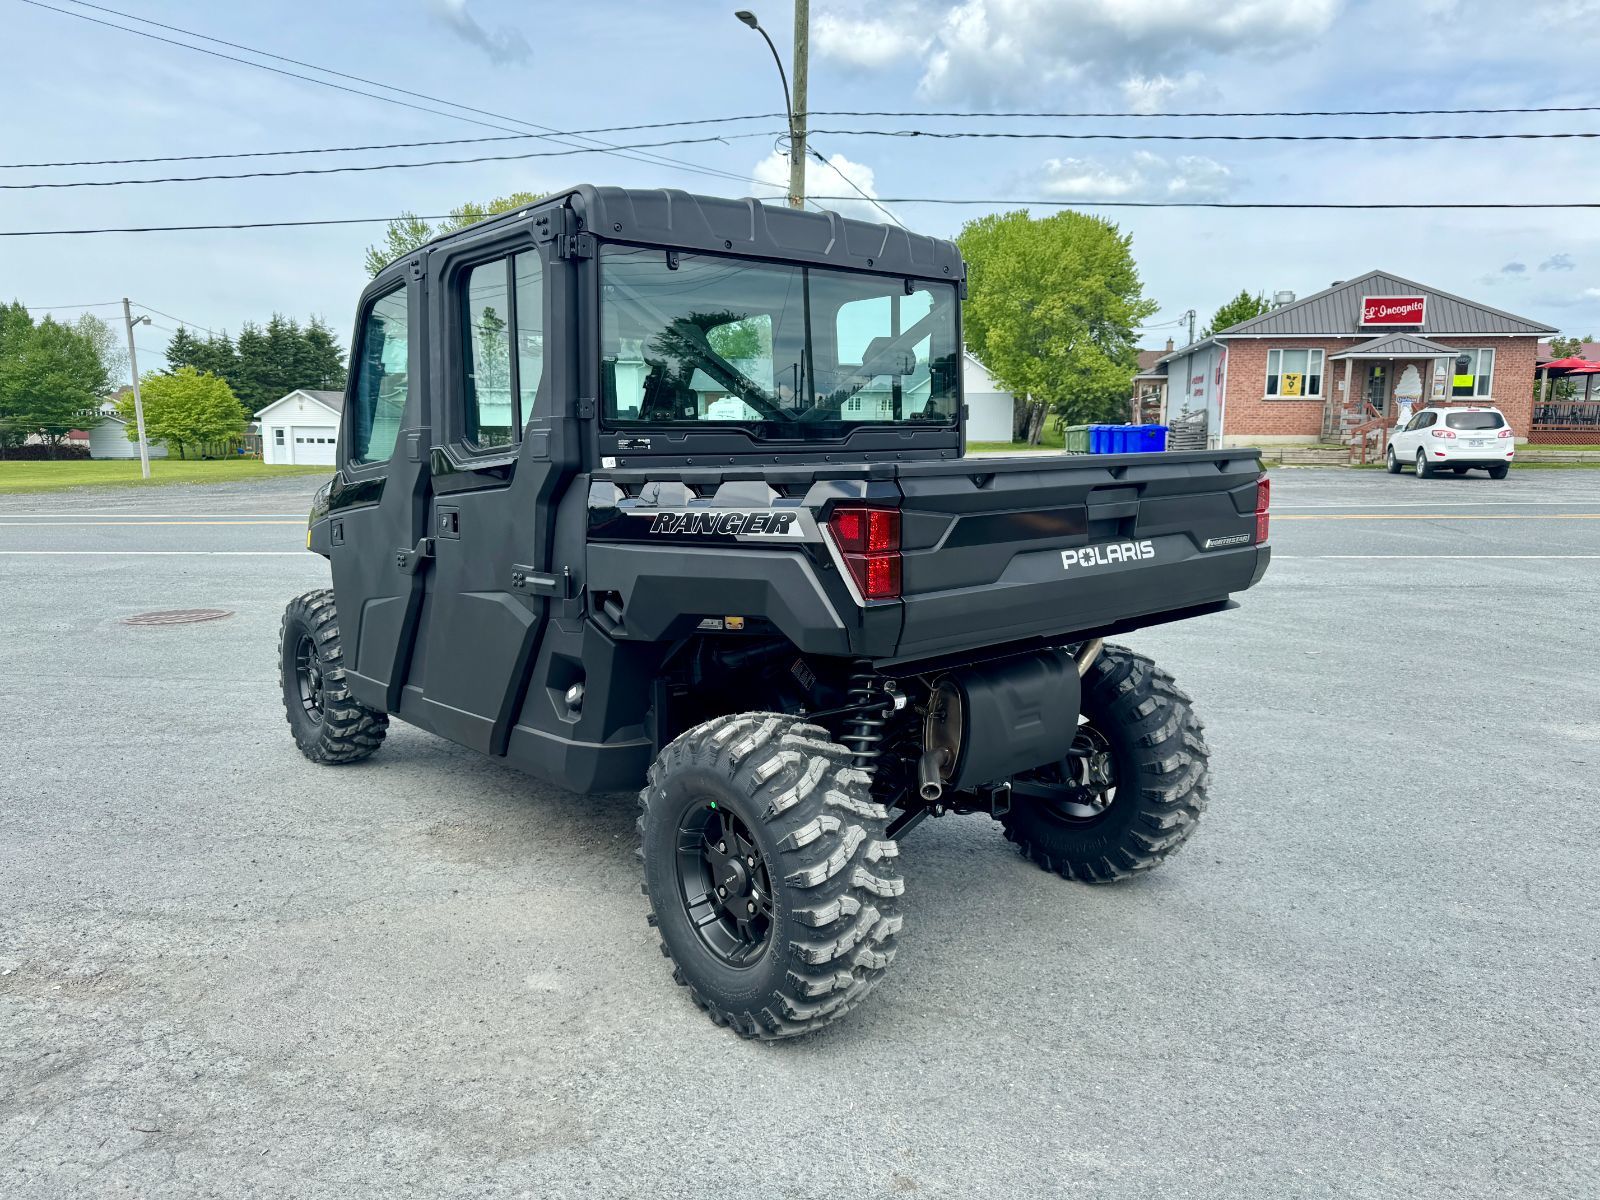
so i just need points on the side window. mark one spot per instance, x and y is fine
(490, 413)
(528, 273)
(503, 347)
(378, 399)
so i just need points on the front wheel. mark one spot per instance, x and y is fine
(329, 724)
(771, 876)
(1133, 786)
(1393, 462)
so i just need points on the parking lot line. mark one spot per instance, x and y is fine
(157, 553)
(1414, 557)
(130, 524)
(72, 512)
(1436, 516)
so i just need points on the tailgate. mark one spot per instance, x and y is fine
(1012, 548)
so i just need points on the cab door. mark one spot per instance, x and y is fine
(485, 605)
(378, 505)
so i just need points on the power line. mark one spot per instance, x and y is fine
(1346, 112)
(827, 162)
(229, 225)
(1204, 137)
(508, 137)
(60, 307)
(992, 203)
(356, 168)
(170, 317)
(552, 134)
(1257, 204)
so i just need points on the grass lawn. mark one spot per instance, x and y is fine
(1049, 439)
(73, 473)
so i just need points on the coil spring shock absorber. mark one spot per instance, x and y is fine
(863, 732)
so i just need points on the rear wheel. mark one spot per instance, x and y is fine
(1499, 470)
(1424, 469)
(771, 878)
(1133, 786)
(329, 725)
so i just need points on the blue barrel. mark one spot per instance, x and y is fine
(1152, 438)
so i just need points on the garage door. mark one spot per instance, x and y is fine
(312, 445)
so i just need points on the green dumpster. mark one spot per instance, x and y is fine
(1077, 439)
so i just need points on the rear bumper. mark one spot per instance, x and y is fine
(1038, 597)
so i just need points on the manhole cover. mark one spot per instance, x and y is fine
(177, 616)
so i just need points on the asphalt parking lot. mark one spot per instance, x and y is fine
(225, 971)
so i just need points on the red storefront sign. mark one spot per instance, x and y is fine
(1392, 310)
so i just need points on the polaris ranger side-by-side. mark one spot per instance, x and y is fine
(639, 487)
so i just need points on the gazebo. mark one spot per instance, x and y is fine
(1561, 414)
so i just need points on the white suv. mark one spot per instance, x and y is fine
(1457, 439)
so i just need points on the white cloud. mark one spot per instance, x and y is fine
(773, 172)
(1004, 51)
(870, 42)
(1143, 176)
(1559, 262)
(1153, 93)
(503, 45)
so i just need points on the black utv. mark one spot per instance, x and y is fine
(646, 488)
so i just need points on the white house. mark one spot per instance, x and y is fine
(108, 436)
(989, 406)
(302, 428)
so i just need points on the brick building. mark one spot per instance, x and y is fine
(1379, 345)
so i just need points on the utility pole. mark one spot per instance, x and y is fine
(797, 116)
(138, 402)
(1191, 314)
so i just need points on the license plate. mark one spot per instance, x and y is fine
(1478, 444)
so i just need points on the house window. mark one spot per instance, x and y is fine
(277, 436)
(1294, 374)
(1472, 373)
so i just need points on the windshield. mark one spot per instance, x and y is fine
(1474, 420)
(698, 340)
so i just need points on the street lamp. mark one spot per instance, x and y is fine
(797, 134)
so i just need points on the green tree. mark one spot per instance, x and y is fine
(51, 378)
(109, 348)
(252, 376)
(1241, 308)
(1052, 309)
(409, 231)
(1569, 388)
(186, 410)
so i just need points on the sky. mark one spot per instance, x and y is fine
(77, 90)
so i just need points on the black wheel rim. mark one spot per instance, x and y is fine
(1082, 787)
(308, 676)
(724, 884)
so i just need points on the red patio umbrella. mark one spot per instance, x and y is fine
(1571, 363)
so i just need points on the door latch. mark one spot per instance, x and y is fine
(537, 583)
(411, 561)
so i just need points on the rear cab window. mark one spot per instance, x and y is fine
(1474, 420)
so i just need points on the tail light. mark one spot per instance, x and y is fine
(869, 540)
(1506, 432)
(1445, 433)
(1263, 502)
